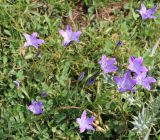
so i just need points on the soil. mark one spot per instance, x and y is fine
(106, 12)
(80, 11)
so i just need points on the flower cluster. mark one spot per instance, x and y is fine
(127, 82)
(136, 74)
(140, 72)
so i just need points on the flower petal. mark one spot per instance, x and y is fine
(143, 8)
(34, 34)
(26, 36)
(82, 129)
(83, 116)
(152, 10)
(90, 120)
(40, 41)
(90, 127)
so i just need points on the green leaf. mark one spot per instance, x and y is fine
(25, 92)
(29, 56)
(5, 59)
(63, 76)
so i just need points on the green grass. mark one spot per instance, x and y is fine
(56, 69)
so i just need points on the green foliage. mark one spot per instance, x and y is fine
(54, 70)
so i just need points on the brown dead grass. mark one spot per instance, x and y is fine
(77, 16)
(106, 12)
(78, 13)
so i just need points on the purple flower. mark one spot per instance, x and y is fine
(85, 123)
(119, 43)
(17, 84)
(125, 83)
(135, 65)
(31, 40)
(92, 78)
(35, 108)
(107, 65)
(81, 76)
(145, 14)
(69, 35)
(141, 79)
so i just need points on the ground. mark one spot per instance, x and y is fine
(50, 73)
